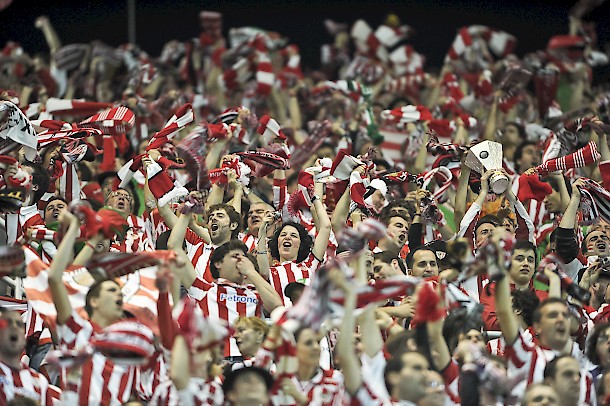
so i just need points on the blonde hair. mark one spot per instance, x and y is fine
(253, 322)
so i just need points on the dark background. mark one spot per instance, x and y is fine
(435, 21)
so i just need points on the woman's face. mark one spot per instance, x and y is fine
(288, 243)
(308, 347)
(248, 339)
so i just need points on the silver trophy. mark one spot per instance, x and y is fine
(485, 156)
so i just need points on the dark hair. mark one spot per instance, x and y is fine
(304, 248)
(234, 216)
(488, 219)
(459, 321)
(538, 311)
(94, 293)
(231, 377)
(591, 350)
(519, 152)
(219, 254)
(520, 129)
(40, 177)
(410, 257)
(398, 203)
(386, 219)
(555, 184)
(527, 245)
(292, 288)
(396, 344)
(388, 257)
(526, 301)
(550, 370)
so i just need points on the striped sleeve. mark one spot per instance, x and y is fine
(75, 332)
(280, 191)
(520, 353)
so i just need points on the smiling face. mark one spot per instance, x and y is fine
(220, 226)
(308, 348)
(12, 337)
(522, 267)
(53, 210)
(597, 243)
(288, 243)
(554, 325)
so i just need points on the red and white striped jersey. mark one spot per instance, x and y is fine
(199, 392)
(497, 346)
(101, 380)
(151, 376)
(249, 240)
(199, 253)
(281, 275)
(25, 382)
(138, 237)
(528, 360)
(324, 389)
(17, 223)
(226, 301)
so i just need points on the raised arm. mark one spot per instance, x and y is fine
(352, 374)
(341, 212)
(174, 243)
(60, 263)
(462, 193)
(509, 324)
(322, 224)
(262, 257)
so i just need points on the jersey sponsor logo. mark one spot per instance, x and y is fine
(237, 298)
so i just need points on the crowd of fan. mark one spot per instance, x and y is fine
(220, 225)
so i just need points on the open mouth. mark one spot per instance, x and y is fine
(286, 244)
(14, 338)
(214, 227)
(120, 205)
(601, 246)
(55, 215)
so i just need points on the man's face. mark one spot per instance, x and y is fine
(368, 265)
(109, 303)
(220, 226)
(552, 202)
(424, 264)
(383, 270)
(120, 200)
(567, 380)
(53, 210)
(227, 268)
(522, 266)
(602, 348)
(398, 229)
(510, 135)
(482, 233)
(401, 211)
(257, 212)
(530, 157)
(541, 395)
(598, 243)
(249, 389)
(509, 225)
(412, 382)
(554, 325)
(12, 337)
(474, 336)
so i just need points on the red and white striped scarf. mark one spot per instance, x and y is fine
(579, 159)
